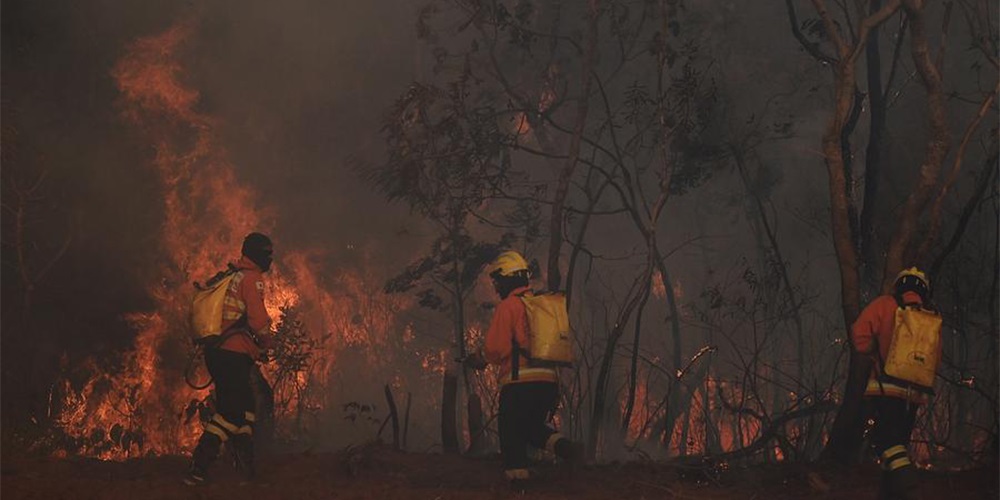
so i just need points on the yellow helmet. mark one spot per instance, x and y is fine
(913, 279)
(508, 264)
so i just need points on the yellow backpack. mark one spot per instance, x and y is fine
(548, 323)
(914, 349)
(206, 305)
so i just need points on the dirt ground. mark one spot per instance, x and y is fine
(380, 473)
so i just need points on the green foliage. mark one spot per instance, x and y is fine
(453, 263)
(294, 345)
(446, 151)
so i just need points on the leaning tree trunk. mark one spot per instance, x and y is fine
(846, 432)
(449, 424)
(901, 247)
(554, 280)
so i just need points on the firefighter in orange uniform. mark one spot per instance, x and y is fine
(528, 394)
(893, 406)
(246, 332)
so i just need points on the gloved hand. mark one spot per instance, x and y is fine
(266, 355)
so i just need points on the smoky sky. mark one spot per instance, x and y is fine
(298, 87)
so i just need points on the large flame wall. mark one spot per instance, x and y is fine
(137, 404)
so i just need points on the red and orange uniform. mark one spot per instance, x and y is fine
(243, 312)
(873, 328)
(509, 325)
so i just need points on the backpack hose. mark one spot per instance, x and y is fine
(197, 355)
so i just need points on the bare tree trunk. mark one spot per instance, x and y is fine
(640, 288)
(988, 172)
(393, 416)
(900, 252)
(477, 434)
(845, 434)
(562, 187)
(633, 373)
(406, 419)
(873, 155)
(982, 181)
(449, 427)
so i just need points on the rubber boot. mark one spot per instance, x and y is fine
(903, 483)
(203, 456)
(243, 451)
(569, 451)
(884, 487)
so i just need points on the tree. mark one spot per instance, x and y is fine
(445, 160)
(638, 127)
(850, 36)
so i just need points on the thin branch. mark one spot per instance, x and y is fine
(956, 167)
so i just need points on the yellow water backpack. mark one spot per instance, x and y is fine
(207, 302)
(548, 324)
(914, 349)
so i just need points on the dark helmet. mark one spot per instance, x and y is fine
(258, 248)
(913, 280)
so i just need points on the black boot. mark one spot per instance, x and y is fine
(203, 456)
(903, 483)
(569, 451)
(884, 487)
(243, 452)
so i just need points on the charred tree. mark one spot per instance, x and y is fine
(566, 173)
(909, 241)
(449, 424)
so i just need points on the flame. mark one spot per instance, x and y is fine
(138, 403)
(659, 290)
(206, 213)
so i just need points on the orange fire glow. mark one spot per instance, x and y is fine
(137, 408)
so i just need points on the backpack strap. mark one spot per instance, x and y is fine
(515, 359)
(516, 351)
(230, 270)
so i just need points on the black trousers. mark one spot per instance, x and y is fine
(890, 439)
(894, 419)
(234, 398)
(524, 410)
(234, 409)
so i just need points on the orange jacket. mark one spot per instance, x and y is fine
(875, 324)
(510, 322)
(244, 311)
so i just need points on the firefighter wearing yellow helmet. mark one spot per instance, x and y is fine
(509, 264)
(903, 336)
(530, 389)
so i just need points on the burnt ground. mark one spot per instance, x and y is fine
(380, 473)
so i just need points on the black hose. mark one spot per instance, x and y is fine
(196, 354)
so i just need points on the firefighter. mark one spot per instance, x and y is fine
(230, 358)
(529, 394)
(893, 405)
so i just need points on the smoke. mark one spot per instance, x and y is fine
(296, 90)
(293, 92)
